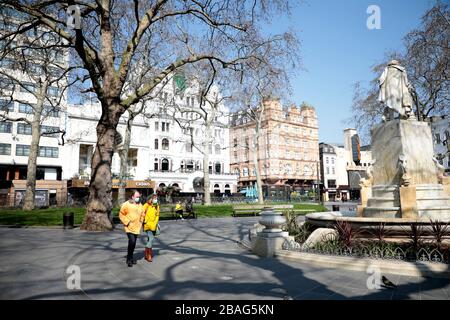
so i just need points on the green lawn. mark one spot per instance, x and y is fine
(54, 216)
(39, 217)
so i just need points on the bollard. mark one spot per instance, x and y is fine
(68, 220)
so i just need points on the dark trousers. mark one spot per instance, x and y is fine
(132, 238)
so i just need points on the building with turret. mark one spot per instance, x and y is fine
(288, 151)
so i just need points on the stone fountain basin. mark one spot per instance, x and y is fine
(395, 226)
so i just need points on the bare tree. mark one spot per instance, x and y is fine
(110, 41)
(206, 109)
(33, 63)
(427, 63)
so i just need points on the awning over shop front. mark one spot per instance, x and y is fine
(130, 184)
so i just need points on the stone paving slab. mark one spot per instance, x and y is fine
(195, 259)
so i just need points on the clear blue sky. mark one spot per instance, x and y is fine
(339, 50)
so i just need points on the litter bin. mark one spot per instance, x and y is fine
(68, 220)
(335, 207)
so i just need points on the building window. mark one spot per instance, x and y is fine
(5, 127)
(218, 168)
(165, 165)
(6, 84)
(165, 126)
(235, 142)
(156, 144)
(25, 108)
(217, 148)
(24, 128)
(327, 161)
(188, 147)
(50, 111)
(54, 92)
(49, 131)
(328, 170)
(331, 183)
(6, 105)
(156, 126)
(28, 87)
(165, 144)
(5, 149)
(156, 163)
(190, 165)
(22, 150)
(333, 170)
(48, 152)
(132, 157)
(245, 172)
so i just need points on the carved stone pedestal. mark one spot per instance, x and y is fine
(271, 239)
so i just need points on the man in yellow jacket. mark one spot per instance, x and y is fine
(151, 209)
(132, 215)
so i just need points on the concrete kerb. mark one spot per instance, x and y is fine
(403, 268)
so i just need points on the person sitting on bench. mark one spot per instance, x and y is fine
(179, 210)
(190, 208)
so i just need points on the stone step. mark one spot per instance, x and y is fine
(433, 202)
(382, 212)
(436, 213)
(383, 202)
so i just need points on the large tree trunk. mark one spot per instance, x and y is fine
(99, 206)
(34, 150)
(123, 153)
(206, 182)
(256, 163)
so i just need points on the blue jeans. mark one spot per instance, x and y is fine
(151, 236)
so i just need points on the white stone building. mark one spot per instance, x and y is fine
(342, 166)
(161, 150)
(17, 101)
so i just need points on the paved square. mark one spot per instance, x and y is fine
(195, 259)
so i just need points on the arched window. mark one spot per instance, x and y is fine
(190, 165)
(182, 165)
(156, 144)
(156, 164)
(227, 189)
(245, 172)
(217, 148)
(165, 165)
(216, 188)
(210, 168)
(217, 168)
(165, 144)
(237, 171)
(162, 185)
(197, 165)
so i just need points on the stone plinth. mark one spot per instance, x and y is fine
(409, 138)
(267, 244)
(405, 180)
(408, 202)
(271, 239)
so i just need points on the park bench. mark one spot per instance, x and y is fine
(253, 210)
(168, 212)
